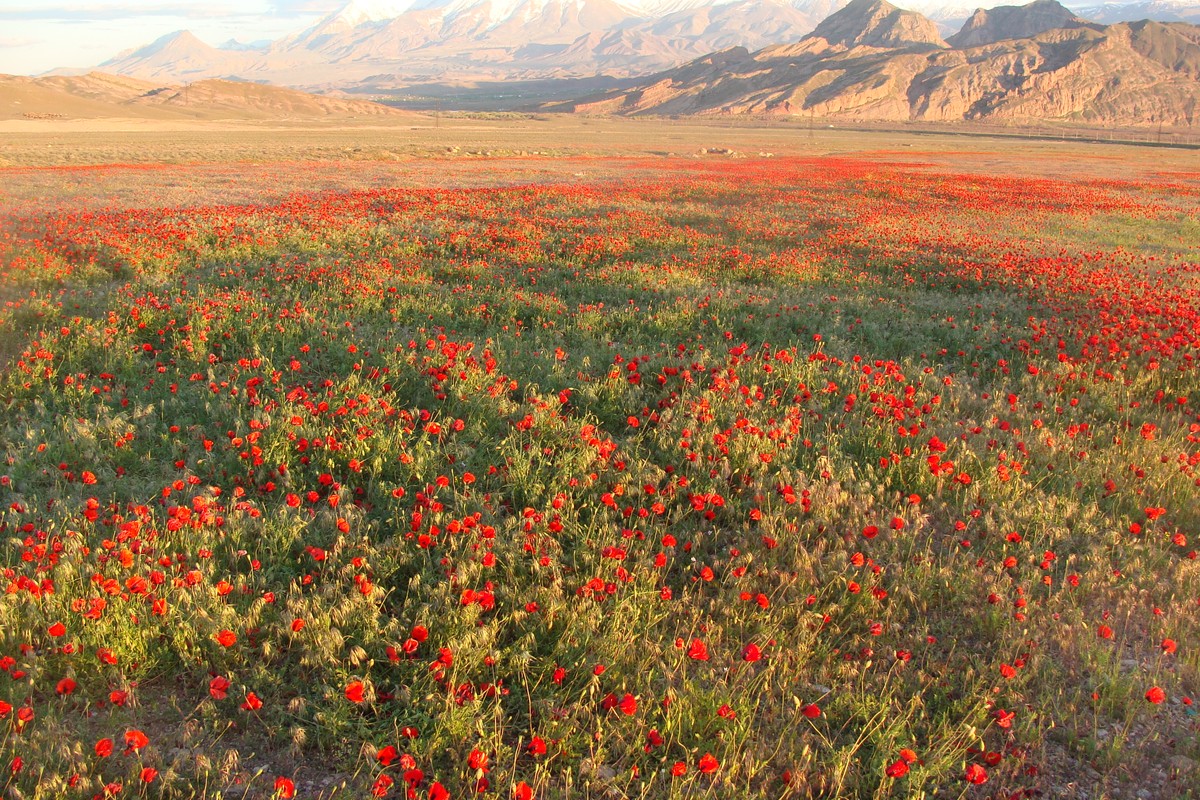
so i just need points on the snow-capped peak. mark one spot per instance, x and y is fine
(659, 8)
(496, 10)
(358, 12)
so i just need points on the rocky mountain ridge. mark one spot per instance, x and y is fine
(872, 61)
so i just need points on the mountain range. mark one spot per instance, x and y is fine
(377, 46)
(873, 61)
(372, 46)
(855, 60)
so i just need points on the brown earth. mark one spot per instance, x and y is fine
(97, 95)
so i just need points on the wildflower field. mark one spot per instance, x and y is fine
(825, 476)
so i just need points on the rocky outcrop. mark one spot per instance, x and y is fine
(1014, 22)
(1129, 74)
(877, 23)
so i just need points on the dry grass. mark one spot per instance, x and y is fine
(543, 138)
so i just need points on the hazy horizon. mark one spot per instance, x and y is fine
(75, 35)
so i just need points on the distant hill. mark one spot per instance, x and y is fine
(423, 49)
(180, 56)
(870, 23)
(1014, 22)
(1157, 10)
(368, 45)
(98, 95)
(872, 61)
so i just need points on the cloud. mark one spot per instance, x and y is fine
(19, 41)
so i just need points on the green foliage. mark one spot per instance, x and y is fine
(750, 482)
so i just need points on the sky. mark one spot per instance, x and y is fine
(41, 35)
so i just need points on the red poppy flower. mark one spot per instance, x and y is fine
(285, 788)
(698, 651)
(897, 769)
(218, 687)
(104, 748)
(976, 774)
(1155, 695)
(382, 785)
(226, 638)
(708, 763)
(135, 740)
(477, 760)
(355, 691)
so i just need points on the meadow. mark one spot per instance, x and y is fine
(860, 474)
